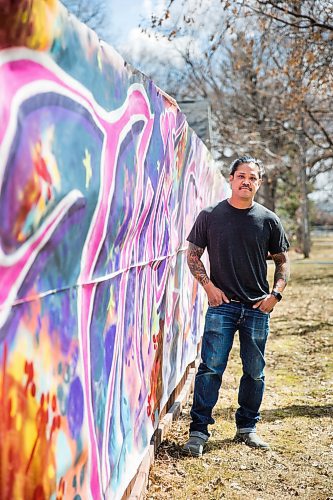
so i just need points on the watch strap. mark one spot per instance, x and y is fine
(277, 295)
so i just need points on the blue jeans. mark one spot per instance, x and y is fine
(221, 324)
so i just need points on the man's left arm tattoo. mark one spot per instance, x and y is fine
(282, 271)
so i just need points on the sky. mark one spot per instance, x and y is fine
(122, 30)
(136, 46)
(126, 15)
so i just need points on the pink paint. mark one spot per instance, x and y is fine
(136, 107)
(14, 268)
(24, 78)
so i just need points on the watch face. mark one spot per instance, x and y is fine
(277, 295)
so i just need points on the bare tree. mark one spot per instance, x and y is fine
(309, 24)
(90, 13)
(265, 66)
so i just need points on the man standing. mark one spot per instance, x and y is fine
(238, 233)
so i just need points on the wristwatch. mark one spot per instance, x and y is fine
(277, 295)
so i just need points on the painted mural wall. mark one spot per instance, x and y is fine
(100, 181)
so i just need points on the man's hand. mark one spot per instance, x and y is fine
(215, 296)
(267, 304)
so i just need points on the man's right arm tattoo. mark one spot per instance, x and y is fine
(197, 268)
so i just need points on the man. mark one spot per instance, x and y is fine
(238, 233)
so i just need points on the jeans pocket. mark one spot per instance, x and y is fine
(262, 312)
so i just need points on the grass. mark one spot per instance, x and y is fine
(296, 413)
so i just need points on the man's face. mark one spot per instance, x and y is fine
(246, 181)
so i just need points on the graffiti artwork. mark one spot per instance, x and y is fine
(100, 182)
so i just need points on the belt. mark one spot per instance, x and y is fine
(238, 301)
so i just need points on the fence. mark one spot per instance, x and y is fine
(100, 182)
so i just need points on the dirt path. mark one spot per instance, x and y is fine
(297, 412)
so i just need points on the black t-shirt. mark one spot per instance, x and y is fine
(238, 242)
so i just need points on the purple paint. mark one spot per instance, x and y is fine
(75, 408)
(109, 348)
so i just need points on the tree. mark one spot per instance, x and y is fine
(309, 24)
(90, 13)
(305, 26)
(269, 92)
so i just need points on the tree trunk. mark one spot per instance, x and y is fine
(267, 193)
(305, 223)
(305, 219)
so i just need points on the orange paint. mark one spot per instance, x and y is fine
(36, 194)
(31, 23)
(23, 467)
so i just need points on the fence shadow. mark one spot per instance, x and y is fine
(169, 449)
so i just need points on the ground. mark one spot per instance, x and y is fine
(296, 413)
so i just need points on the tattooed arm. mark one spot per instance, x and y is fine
(282, 271)
(281, 277)
(197, 268)
(214, 294)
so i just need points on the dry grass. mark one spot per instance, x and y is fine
(296, 413)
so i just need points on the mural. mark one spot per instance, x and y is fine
(100, 182)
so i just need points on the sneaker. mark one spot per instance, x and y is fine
(196, 443)
(251, 439)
